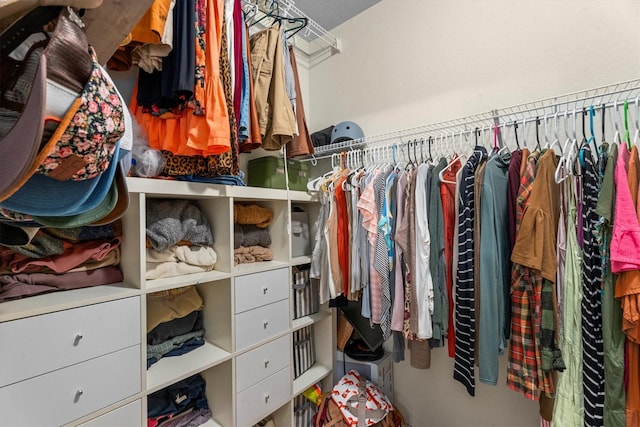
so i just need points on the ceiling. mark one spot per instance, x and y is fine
(331, 13)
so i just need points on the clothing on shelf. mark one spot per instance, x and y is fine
(174, 323)
(173, 402)
(244, 255)
(209, 88)
(251, 214)
(175, 327)
(14, 286)
(58, 259)
(172, 221)
(179, 260)
(250, 235)
(175, 303)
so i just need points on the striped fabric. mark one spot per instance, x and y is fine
(593, 353)
(463, 368)
(381, 296)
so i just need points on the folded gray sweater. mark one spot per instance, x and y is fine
(250, 235)
(170, 221)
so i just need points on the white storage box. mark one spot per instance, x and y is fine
(300, 235)
(379, 371)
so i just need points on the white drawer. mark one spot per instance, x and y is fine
(40, 344)
(262, 362)
(255, 290)
(263, 398)
(67, 394)
(261, 323)
(128, 415)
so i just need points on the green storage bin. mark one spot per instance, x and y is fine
(268, 172)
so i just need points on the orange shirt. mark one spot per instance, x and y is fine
(211, 133)
(150, 28)
(447, 194)
(343, 232)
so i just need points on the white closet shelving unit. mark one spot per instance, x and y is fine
(96, 337)
(78, 357)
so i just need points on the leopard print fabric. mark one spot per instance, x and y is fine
(220, 164)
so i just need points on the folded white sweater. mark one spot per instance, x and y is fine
(179, 260)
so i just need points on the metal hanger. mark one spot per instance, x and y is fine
(496, 149)
(300, 22)
(604, 108)
(626, 124)
(592, 137)
(538, 147)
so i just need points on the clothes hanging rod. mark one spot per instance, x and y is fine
(628, 90)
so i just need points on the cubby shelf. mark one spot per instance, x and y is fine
(169, 370)
(254, 297)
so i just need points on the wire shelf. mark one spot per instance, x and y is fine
(613, 95)
(313, 40)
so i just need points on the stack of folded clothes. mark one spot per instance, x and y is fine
(40, 260)
(181, 404)
(174, 323)
(250, 233)
(64, 158)
(179, 239)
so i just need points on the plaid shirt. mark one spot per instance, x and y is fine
(524, 368)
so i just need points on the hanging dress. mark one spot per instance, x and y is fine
(568, 409)
(613, 337)
(593, 356)
(625, 246)
(463, 368)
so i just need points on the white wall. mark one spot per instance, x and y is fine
(412, 62)
(407, 63)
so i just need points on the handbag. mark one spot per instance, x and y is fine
(356, 402)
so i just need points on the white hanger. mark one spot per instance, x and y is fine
(546, 134)
(461, 142)
(454, 158)
(616, 136)
(505, 147)
(556, 141)
(314, 184)
(563, 158)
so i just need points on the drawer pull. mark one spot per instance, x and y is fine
(266, 398)
(76, 341)
(266, 364)
(264, 290)
(265, 324)
(79, 393)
